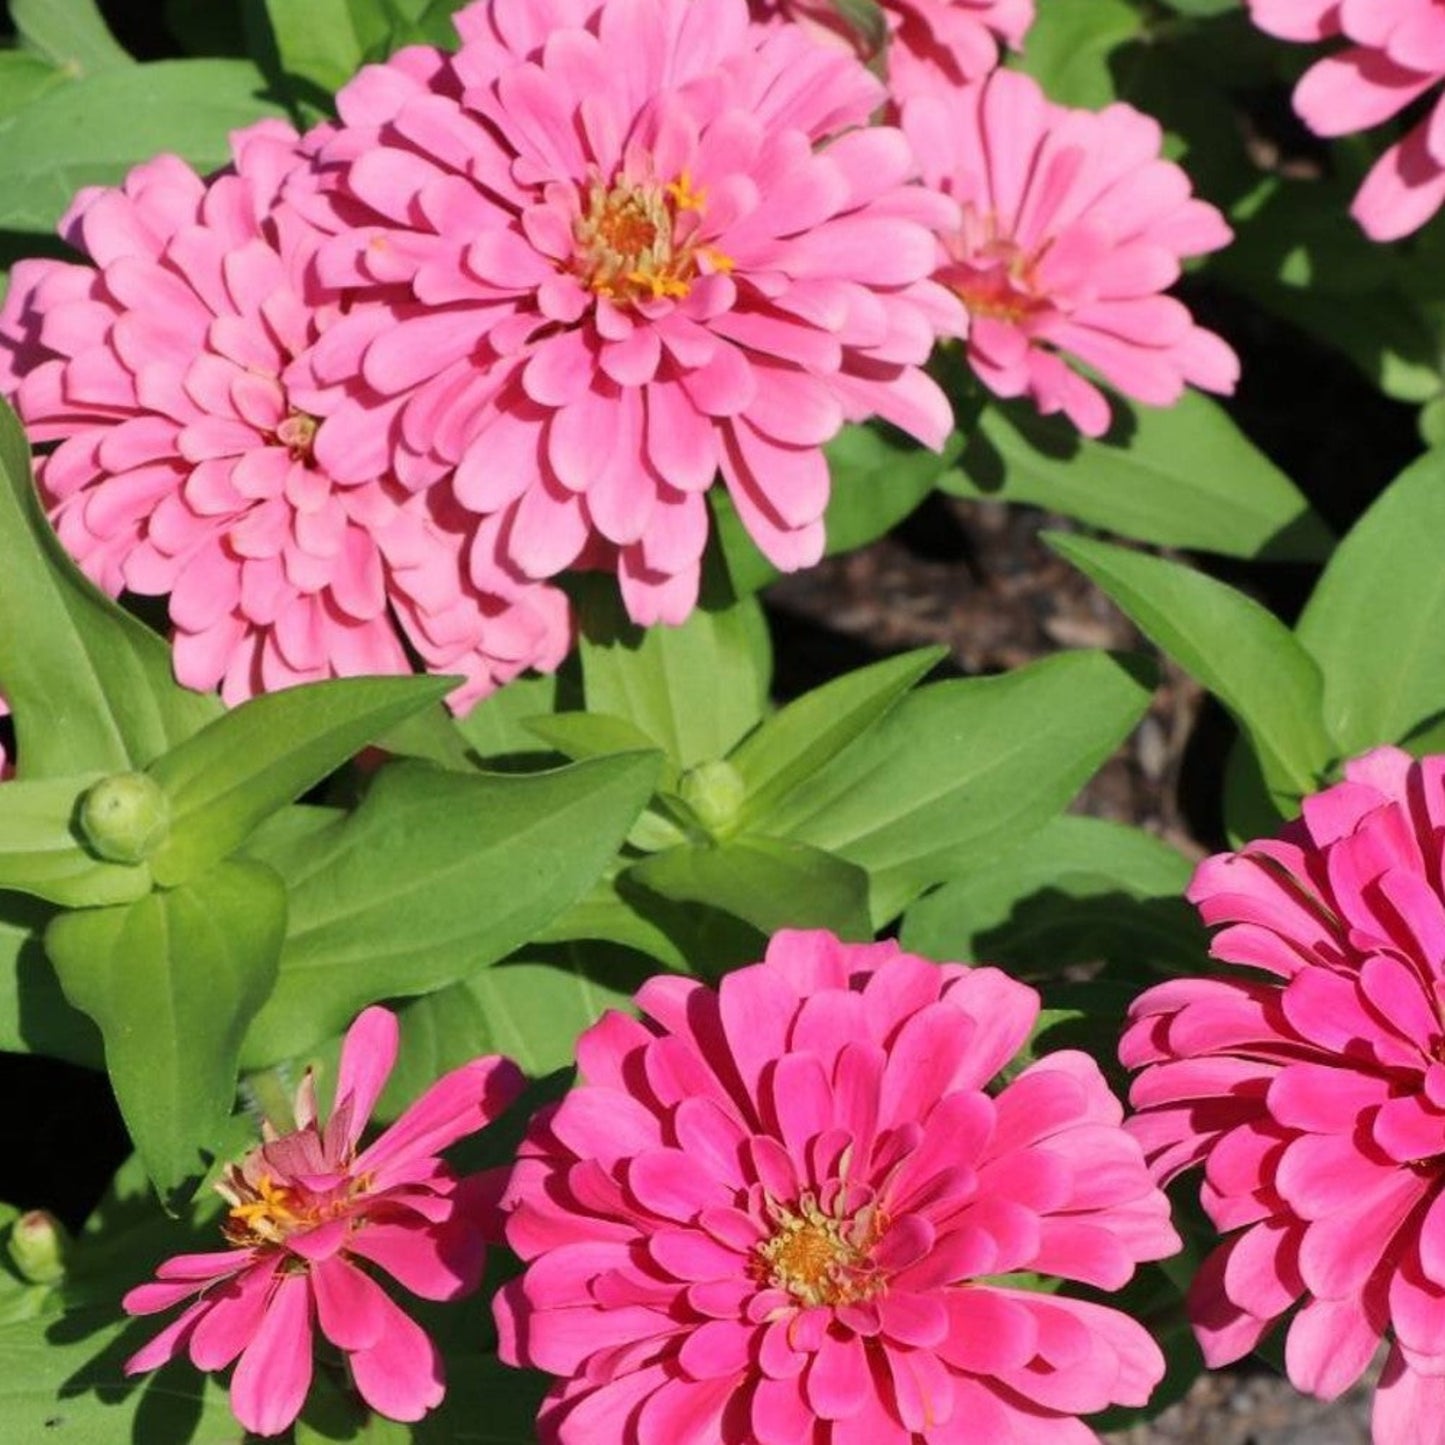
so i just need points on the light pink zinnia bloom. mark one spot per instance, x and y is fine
(1396, 54)
(1073, 226)
(1312, 1090)
(310, 1212)
(777, 1212)
(643, 241)
(934, 46)
(185, 467)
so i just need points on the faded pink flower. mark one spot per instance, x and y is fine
(1312, 1090)
(779, 1213)
(1396, 53)
(185, 466)
(1073, 226)
(311, 1215)
(934, 46)
(641, 242)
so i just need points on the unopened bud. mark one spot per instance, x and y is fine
(38, 1245)
(126, 817)
(715, 793)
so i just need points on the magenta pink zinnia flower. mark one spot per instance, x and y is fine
(311, 1215)
(779, 1213)
(1395, 55)
(640, 243)
(934, 46)
(1312, 1090)
(1072, 228)
(185, 466)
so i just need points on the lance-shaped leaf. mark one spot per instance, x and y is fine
(41, 852)
(172, 981)
(771, 883)
(254, 760)
(1228, 643)
(789, 748)
(35, 1017)
(71, 34)
(91, 687)
(960, 770)
(434, 876)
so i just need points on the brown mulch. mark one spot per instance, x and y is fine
(977, 578)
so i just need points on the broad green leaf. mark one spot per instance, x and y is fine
(317, 40)
(172, 981)
(579, 735)
(960, 770)
(693, 690)
(264, 754)
(497, 727)
(1229, 644)
(1078, 891)
(24, 76)
(770, 883)
(91, 687)
(35, 1017)
(431, 20)
(1069, 47)
(877, 478)
(62, 1383)
(432, 734)
(1180, 476)
(70, 34)
(789, 748)
(1376, 621)
(41, 851)
(435, 875)
(93, 131)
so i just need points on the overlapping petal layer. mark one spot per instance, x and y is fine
(1073, 228)
(776, 1213)
(606, 251)
(1311, 1089)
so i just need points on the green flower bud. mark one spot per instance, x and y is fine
(125, 818)
(38, 1245)
(715, 793)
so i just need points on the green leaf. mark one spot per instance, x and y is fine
(41, 852)
(1229, 644)
(70, 34)
(1079, 891)
(1070, 46)
(497, 726)
(317, 40)
(433, 876)
(693, 690)
(579, 735)
(173, 980)
(1180, 476)
(264, 754)
(960, 770)
(93, 131)
(878, 477)
(23, 77)
(789, 748)
(432, 734)
(768, 882)
(90, 687)
(1376, 621)
(35, 1017)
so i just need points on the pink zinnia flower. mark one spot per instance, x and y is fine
(934, 46)
(641, 242)
(1396, 54)
(1072, 228)
(185, 466)
(1312, 1090)
(311, 1213)
(778, 1212)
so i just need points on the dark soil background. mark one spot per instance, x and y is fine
(975, 577)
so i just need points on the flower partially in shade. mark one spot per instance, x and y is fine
(313, 1213)
(607, 256)
(1311, 1088)
(1395, 53)
(185, 467)
(1073, 228)
(933, 46)
(783, 1212)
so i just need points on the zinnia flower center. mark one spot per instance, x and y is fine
(818, 1258)
(298, 435)
(994, 276)
(638, 242)
(263, 1213)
